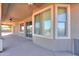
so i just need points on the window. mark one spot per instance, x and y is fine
(62, 22)
(46, 22)
(22, 27)
(37, 24)
(42, 24)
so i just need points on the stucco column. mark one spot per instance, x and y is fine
(0, 20)
(1, 40)
(16, 28)
(25, 29)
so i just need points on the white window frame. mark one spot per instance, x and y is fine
(68, 20)
(33, 20)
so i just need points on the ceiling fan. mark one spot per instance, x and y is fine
(11, 19)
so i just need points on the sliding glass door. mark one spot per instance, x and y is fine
(29, 29)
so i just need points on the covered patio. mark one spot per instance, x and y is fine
(20, 46)
(34, 31)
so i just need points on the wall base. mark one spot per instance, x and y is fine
(54, 44)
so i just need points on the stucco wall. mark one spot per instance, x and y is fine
(75, 21)
(0, 18)
(53, 44)
(1, 47)
(75, 26)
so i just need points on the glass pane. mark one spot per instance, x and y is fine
(62, 14)
(62, 21)
(61, 29)
(43, 23)
(29, 29)
(37, 24)
(46, 20)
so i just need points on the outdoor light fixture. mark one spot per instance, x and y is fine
(30, 3)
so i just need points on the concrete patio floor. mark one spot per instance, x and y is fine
(19, 46)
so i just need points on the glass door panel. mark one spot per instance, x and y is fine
(29, 29)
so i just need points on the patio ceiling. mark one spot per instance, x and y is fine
(17, 11)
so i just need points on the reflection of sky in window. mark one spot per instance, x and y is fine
(61, 26)
(62, 17)
(37, 22)
(37, 25)
(61, 21)
(61, 29)
(47, 24)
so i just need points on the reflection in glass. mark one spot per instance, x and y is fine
(62, 21)
(61, 28)
(43, 23)
(29, 29)
(37, 24)
(46, 16)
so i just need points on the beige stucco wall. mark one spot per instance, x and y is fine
(75, 26)
(0, 18)
(0, 11)
(74, 21)
(1, 41)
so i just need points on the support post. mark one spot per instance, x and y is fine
(1, 40)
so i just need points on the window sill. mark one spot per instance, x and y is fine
(42, 36)
(62, 38)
